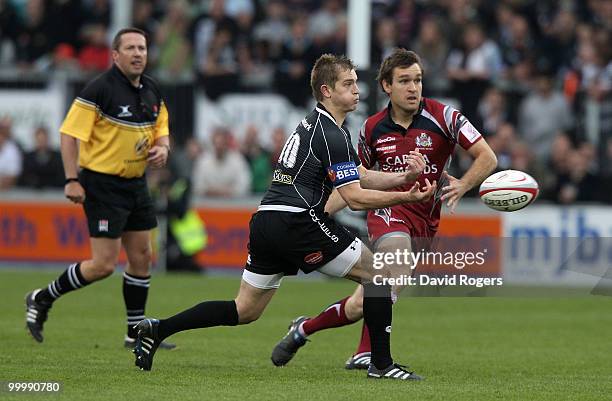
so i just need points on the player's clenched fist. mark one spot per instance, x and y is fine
(415, 165)
(75, 192)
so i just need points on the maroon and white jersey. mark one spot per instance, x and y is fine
(384, 145)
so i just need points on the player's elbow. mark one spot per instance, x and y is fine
(355, 205)
(492, 159)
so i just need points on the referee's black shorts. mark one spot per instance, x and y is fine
(282, 243)
(114, 204)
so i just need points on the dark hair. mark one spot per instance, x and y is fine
(117, 38)
(326, 71)
(398, 58)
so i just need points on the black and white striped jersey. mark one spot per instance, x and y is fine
(316, 157)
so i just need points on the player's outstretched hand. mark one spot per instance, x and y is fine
(453, 191)
(158, 155)
(418, 194)
(415, 165)
(75, 192)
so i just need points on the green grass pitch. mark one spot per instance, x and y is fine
(467, 348)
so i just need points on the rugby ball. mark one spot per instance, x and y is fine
(508, 190)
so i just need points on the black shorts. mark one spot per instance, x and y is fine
(114, 204)
(285, 242)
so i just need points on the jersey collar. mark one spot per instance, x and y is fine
(389, 120)
(119, 75)
(321, 109)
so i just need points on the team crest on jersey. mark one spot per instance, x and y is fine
(125, 111)
(424, 141)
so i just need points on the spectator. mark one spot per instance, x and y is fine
(184, 157)
(173, 47)
(220, 72)
(522, 159)
(385, 39)
(42, 167)
(274, 29)
(278, 143)
(433, 47)
(258, 159)
(223, 172)
(323, 23)
(33, 40)
(205, 29)
(10, 156)
(256, 68)
(472, 67)
(95, 55)
(542, 113)
(501, 141)
(407, 15)
(578, 184)
(142, 17)
(96, 12)
(560, 151)
(492, 111)
(296, 60)
(517, 45)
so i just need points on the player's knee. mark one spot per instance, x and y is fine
(247, 313)
(354, 308)
(103, 269)
(140, 261)
(141, 256)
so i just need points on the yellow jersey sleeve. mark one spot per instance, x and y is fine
(161, 125)
(80, 119)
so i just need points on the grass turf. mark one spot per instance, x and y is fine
(467, 348)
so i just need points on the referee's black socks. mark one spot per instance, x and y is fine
(377, 314)
(135, 291)
(205, 314)
(71, 279)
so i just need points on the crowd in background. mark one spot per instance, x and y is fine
(535, 77)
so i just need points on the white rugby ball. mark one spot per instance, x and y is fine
(508, 190)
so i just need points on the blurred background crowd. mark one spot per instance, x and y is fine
(535, 77)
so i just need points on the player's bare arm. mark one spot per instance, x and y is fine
(484, 163)
(158, 154)
(335, 203)
(358, 198)
(379, 180)
(70, 152)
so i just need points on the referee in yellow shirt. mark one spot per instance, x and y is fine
(116, 127)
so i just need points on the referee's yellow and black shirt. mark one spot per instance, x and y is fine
(116, 123)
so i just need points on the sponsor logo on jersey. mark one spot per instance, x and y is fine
(387, 139)
(313, 258)
(398, 163)
(142, 146)
(103, 225)
(341, 173)
(306, 125)
(387, 149)
(125, 112)
(278, 176)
